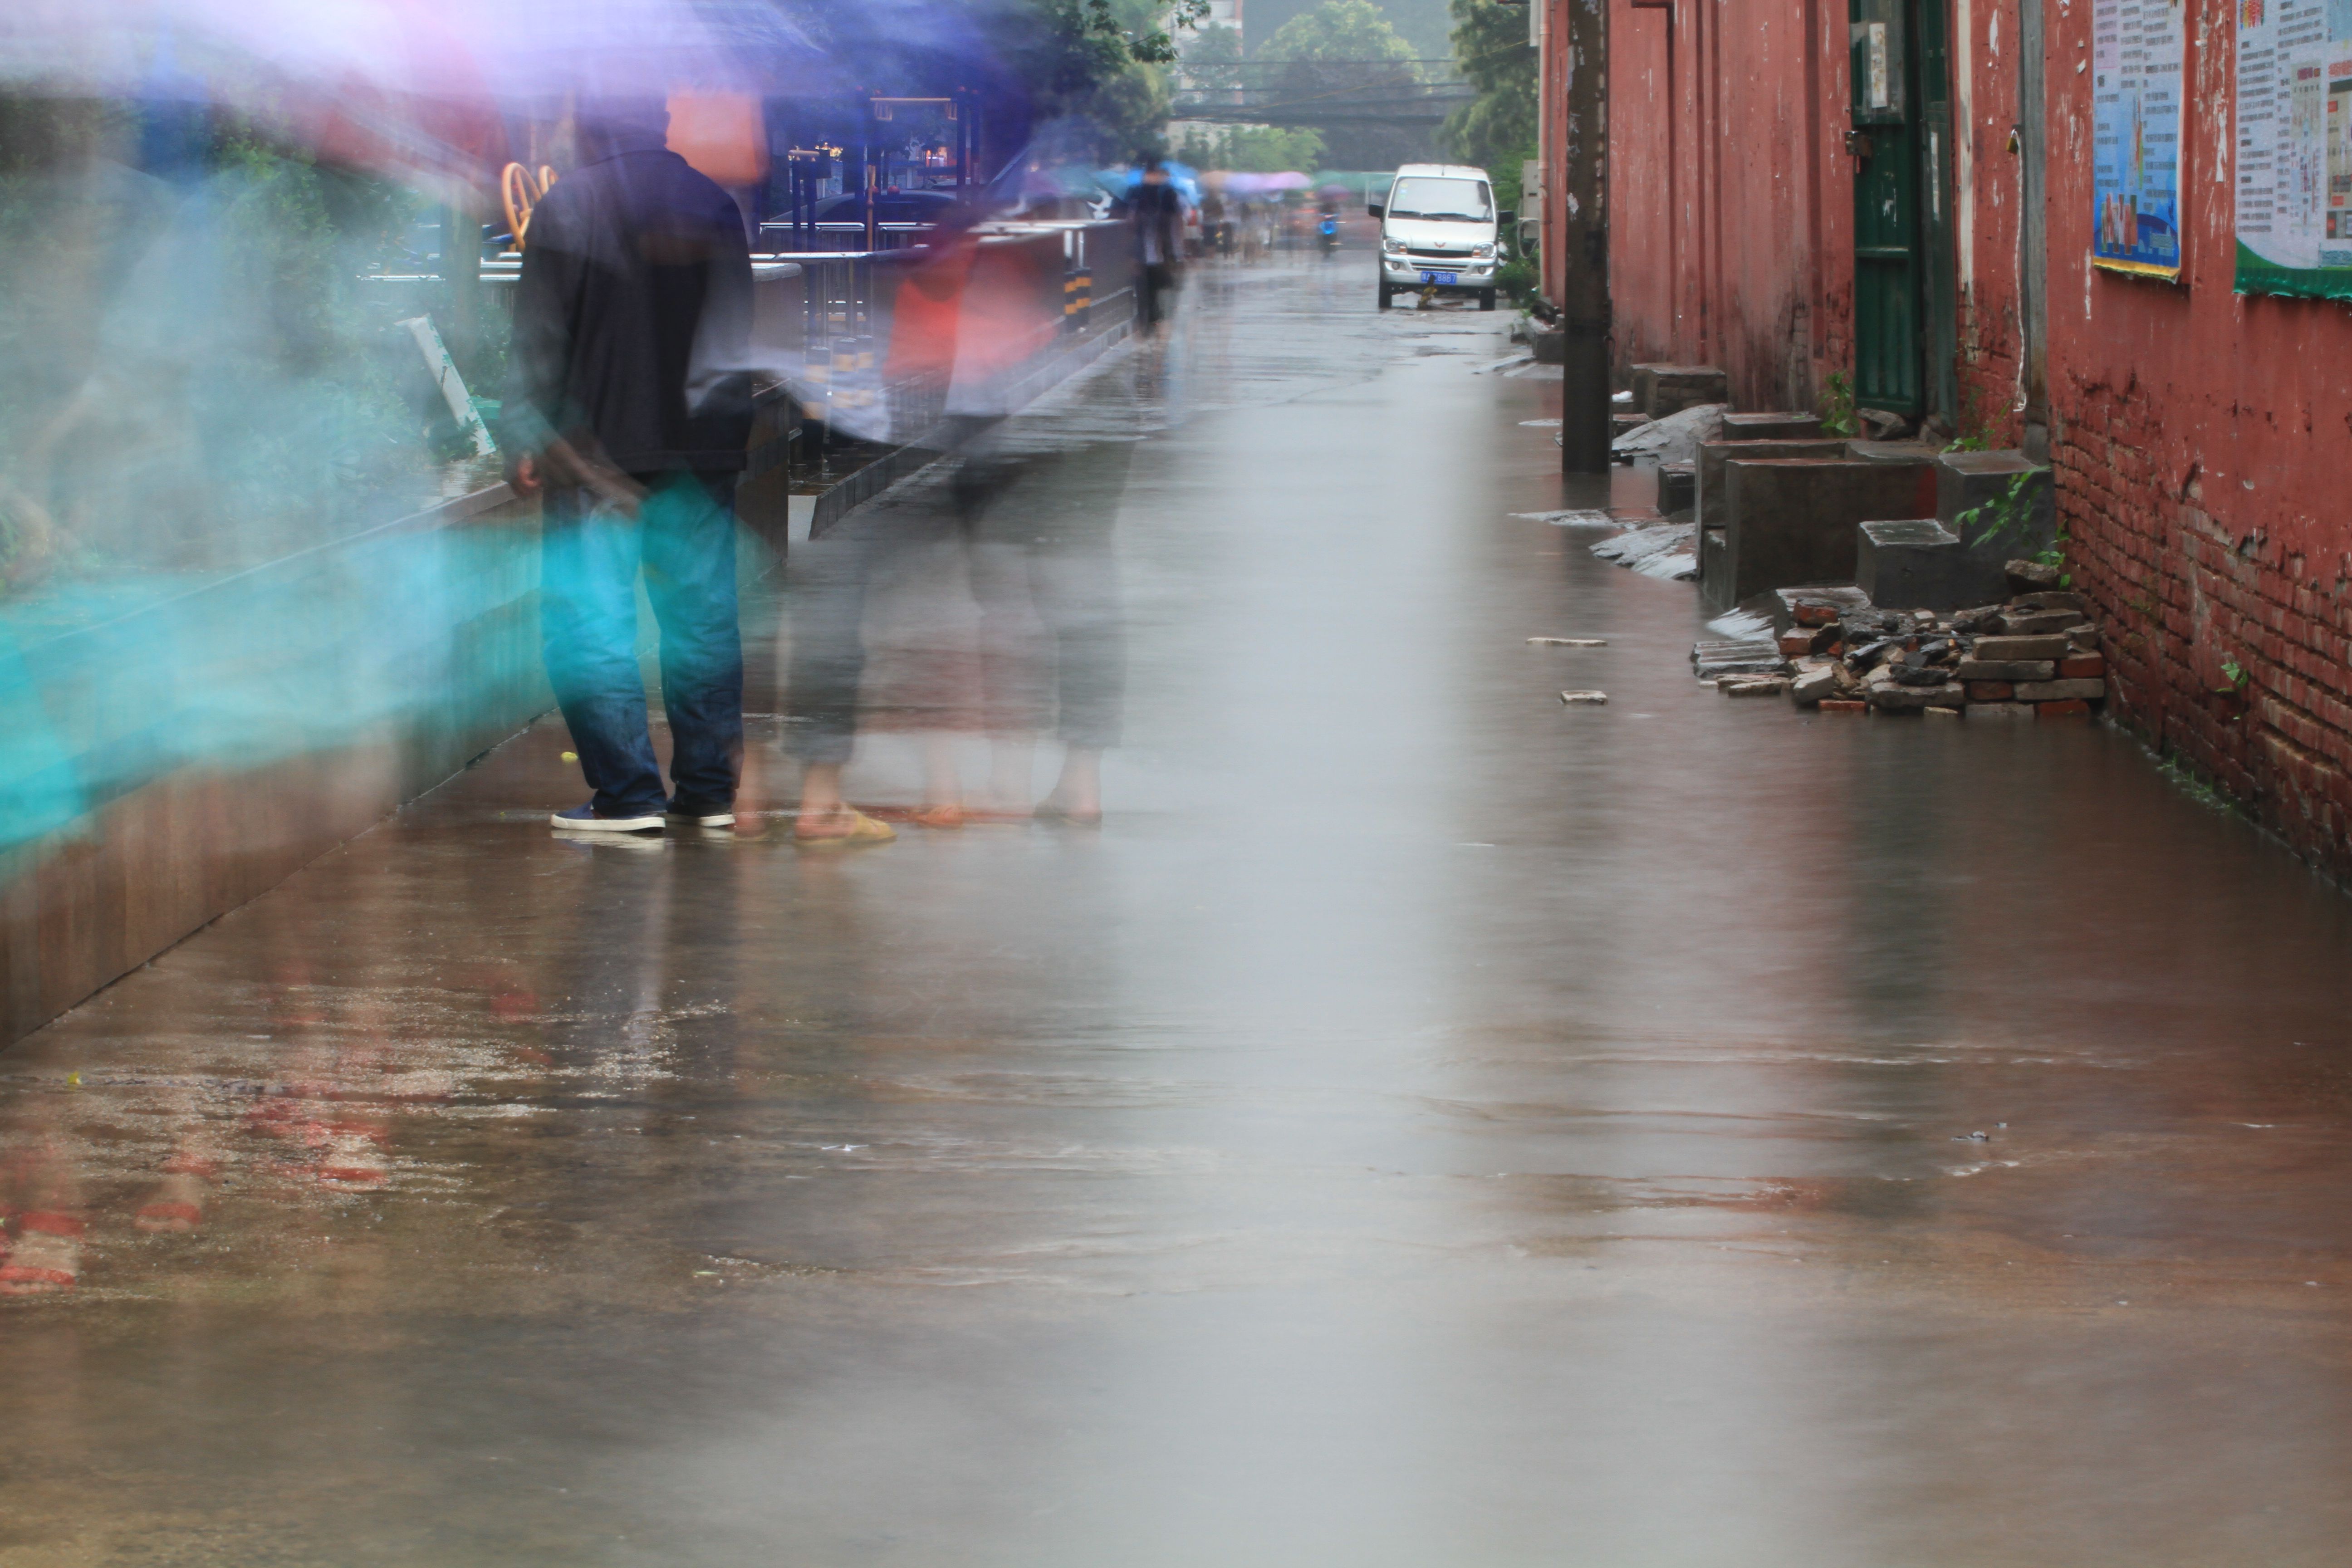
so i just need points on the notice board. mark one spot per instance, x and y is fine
(2138, 48)
(2294, 163)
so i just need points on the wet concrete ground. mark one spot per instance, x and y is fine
(1426, 1125)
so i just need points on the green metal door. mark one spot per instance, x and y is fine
(1903, 274)
(1886, 271)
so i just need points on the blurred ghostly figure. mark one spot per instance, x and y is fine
(1053, 647)
(1156, 211)
(626, 405)
(1019, 519)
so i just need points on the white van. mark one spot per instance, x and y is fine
(1439, 229)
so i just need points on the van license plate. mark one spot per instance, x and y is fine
(1437, 278)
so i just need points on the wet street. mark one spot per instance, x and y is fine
(1426, 1125)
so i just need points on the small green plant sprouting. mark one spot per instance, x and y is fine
(2056, 556)
(2236, 675)
(2196, 786)
(1838, 415)
(2008, 516)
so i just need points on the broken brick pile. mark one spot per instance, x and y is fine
(2036, 656)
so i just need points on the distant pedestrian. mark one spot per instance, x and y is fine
(1156, 211)
(625, 407)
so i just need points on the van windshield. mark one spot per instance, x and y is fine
(1425, 195)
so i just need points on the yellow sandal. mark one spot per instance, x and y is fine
(861, 830)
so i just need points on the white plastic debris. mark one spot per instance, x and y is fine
(1592, 697)
(1576, 517)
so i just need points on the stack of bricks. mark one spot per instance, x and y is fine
(2036, 657)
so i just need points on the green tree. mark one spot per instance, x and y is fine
(1253, 149)
(1496, 130)
(1213, 60)
(1345, 49)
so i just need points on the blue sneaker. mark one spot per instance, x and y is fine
(586, 819)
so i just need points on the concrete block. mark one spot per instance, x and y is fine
(1823, 604)
(1662, 389)
(1708, 497)
(1625, 424)
(2039, 623)
(1915, 564)
(1891, 699)
(2020, 648)
(1551, 345)
(1967, 479)
(1771, 427)
(1790, 521)
(2000, 709)
(1677, 487)
(1893, 451)
(2061, 691)
(1713, 554)
(2005, 670)
(1813, 685)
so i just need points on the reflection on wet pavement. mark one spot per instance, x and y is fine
(1426, 1125)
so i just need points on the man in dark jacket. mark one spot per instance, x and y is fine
(1156, 211)
(625, 406)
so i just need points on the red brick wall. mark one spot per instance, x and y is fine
(2200, 438)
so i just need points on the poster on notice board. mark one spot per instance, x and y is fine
(2137, 52)
(2294, 152)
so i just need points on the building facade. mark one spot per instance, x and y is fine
(2097, 230)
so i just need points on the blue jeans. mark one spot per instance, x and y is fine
(684, 538)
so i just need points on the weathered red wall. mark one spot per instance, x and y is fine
(2201, 437)
(1732, 222)
(1986, 190)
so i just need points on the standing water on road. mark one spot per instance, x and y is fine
(1426, 1123)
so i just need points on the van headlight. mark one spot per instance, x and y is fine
(1393, 248)
(1482, 250)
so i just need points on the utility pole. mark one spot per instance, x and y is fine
(1583, 176)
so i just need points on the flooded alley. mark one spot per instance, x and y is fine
(1426, 1125)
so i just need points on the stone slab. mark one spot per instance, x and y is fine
(1893, 451)
(1893, 698)
(2000, 709)
(1793, 520)
(2006, 669)
(2035, 623)
(1813, 685)
(1819, 604)
(2001, 647)
(1771, 427)
(1662, 389)
(2061, 691)
(1747, 656)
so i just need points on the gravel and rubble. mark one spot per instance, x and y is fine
(2037, 655)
